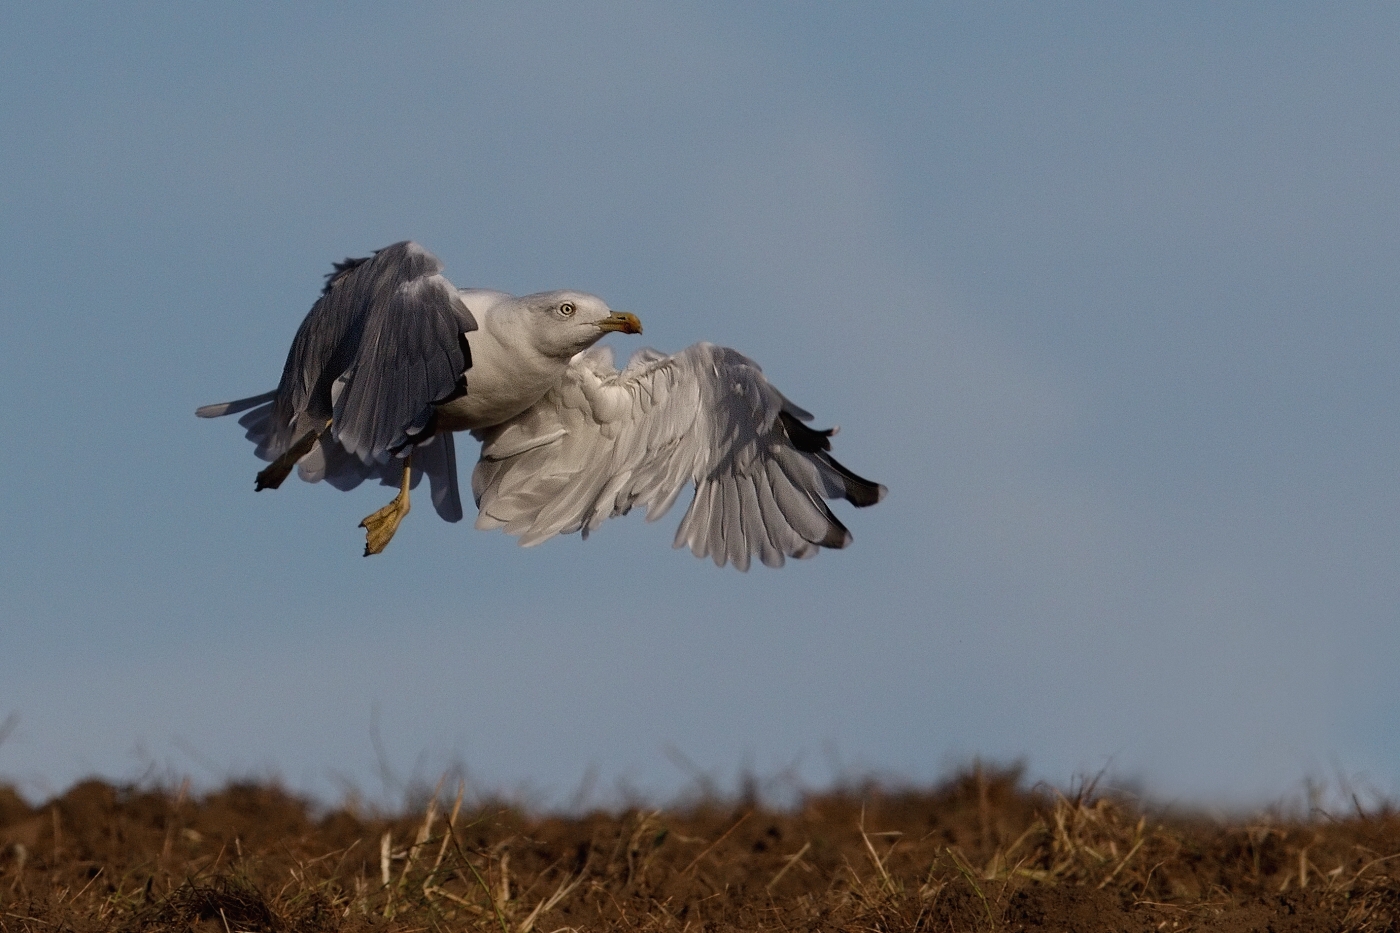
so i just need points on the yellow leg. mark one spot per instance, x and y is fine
(380, 527)
(271, 476)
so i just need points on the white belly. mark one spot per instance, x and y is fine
(478, 410)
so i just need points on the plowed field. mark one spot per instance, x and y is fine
(981, 852)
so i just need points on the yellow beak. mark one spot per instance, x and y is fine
(621, 320)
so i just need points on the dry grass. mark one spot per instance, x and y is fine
(978, 853)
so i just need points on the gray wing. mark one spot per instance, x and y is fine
(383, 344)
(605, 441)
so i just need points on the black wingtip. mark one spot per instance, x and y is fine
(838, 536)
(808, 440)
(860, 492)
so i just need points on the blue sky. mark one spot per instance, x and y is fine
(1105, 294)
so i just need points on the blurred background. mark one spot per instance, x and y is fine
(1106, 295)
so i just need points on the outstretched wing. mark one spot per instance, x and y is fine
(383, 344)
(605, 441)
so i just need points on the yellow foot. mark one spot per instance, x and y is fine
(380, 527)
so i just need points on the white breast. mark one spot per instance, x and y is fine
(503, 380)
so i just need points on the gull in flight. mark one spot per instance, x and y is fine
(393, 358)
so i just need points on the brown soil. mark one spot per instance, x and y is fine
(979, 853)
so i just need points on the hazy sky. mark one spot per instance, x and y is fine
(1107, 295)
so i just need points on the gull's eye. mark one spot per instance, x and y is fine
(567, 309)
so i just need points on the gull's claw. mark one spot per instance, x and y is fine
(381, 525)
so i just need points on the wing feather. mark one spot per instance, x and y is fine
(382, 344)
(233, 408)
(755, 525)
(437, 459)
(604, 442)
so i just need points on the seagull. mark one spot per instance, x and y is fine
(393, 359)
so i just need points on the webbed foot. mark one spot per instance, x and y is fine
(380, 526)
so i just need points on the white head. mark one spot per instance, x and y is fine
(563, 323)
